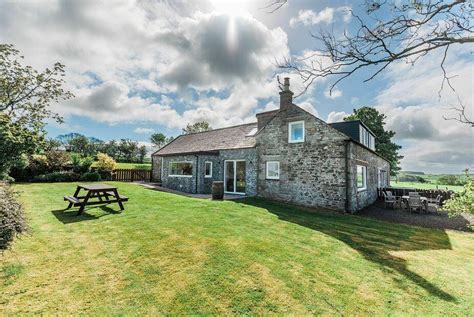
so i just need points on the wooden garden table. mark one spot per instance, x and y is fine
(95, 194)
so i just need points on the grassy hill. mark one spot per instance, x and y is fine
(414, 179)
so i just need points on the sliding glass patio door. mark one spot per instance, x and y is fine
(234, 177)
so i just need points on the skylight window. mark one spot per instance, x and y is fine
(252, 132)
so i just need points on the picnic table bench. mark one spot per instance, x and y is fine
(95, 194)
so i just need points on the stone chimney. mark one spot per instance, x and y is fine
(286, 95)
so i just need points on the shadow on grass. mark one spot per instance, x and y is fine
(67, 216)
(372, 239)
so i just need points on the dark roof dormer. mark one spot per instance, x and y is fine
(357, 131)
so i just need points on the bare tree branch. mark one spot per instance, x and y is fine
(414, 29)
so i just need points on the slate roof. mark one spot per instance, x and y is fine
(209, 141)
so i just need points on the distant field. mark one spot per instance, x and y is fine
(141, 166)
(424, 185)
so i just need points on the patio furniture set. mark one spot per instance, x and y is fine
(412, 202)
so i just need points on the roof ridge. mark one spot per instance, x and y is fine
(233, 126)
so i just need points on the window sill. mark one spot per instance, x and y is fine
(207, 176)
(272, 178)
(361, 189)
(180, 176)
(289, 141)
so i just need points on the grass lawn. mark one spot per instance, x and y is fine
(424, 185)
(169, 254)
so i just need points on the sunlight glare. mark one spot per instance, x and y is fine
(231, 7)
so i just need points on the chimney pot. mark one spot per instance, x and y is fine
(286, 95)
(286, 85)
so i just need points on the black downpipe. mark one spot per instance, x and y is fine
(348, 187)
(197, 173)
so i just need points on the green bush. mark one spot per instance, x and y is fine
(58, 177)
(91, 177)
(462, 201)
(57, 160)
(12, 218)
(80, 164)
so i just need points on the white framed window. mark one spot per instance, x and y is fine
(181, 169)
(208, 169)
(371, 142)
(296, 132)
(383, 178)
(361, 177)
(273, 170)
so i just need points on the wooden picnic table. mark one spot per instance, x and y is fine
(95, 194)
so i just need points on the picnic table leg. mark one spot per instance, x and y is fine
(117, 196)
(76, 193)
(84, 202)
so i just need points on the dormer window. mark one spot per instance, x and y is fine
(296, 132)
(366, 138)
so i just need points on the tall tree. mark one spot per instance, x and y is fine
(25, 96)
(25, 93)
(199, 126)
(384, 145)
(141, 153)
(158, 139)
(80, 144)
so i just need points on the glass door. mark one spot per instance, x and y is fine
(240, 177)
(234, 177)
(229, 175)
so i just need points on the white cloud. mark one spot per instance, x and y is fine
(327, 16)
(141, 130)
(336, 116)
(414, 111)
(335, 93)
(133, 61)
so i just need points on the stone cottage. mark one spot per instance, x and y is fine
(288, 155)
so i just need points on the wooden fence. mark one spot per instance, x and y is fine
(131, 175)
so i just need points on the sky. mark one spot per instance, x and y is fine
(139, 67)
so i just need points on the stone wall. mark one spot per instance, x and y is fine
(360, 155)
(185, 184)
(312, 173)
(156, 168)
(198, 183)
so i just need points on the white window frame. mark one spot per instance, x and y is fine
(364, 177)
(176, 162)
(290, 124)
(278, 169)
(206, 175)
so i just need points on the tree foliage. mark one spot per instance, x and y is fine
(15, 143)
(158, 139)
(384, 145)
(25, 96)
(25, 93)
(199, 126)
(462, 201)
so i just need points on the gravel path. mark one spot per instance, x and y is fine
(427, 220)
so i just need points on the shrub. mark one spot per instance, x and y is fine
(12, 218)
(58, 177)
(38, 164)
(57, 160)
(105, 165)
(81, 165)
(91, 177)
(462, 201)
